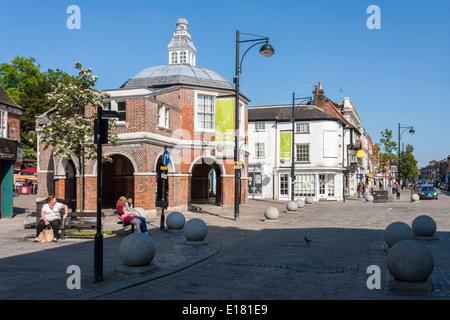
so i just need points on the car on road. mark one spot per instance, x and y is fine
(428, 192)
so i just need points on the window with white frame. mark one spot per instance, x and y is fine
(3, 124)
(183, 57)
(302, 127)
(121, 110)
(305, 185)
(260, 152)
(174, 57)
(163, 116)
(119, 106)
(331, 184)
(284, 184)
(205, 111)
(260, 126)
(302, 152)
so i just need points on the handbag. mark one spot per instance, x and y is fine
(46, 235)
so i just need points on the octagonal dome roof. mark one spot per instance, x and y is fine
(173, 74)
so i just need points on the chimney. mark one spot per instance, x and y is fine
(319, 97)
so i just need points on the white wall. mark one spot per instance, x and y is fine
(325, 139)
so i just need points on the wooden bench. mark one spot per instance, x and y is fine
(79, 223)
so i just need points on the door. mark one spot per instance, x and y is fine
(284, 186)
(323, 194)
(326, 186)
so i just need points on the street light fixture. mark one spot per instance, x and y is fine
(411, 131)
(266, 51)
(294, 108)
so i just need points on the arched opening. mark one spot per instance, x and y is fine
(70, 188)
(206, 183)
(117, 180)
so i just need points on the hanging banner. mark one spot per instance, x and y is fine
(224, 127)
(285, 146)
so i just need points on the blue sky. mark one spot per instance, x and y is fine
(397, 74)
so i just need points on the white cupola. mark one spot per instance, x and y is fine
(181, 48)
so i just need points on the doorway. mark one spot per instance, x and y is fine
(117, 180)
(206, 183)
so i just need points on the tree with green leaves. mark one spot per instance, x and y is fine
(28, 86)
(70, 129)
(385, 153)
(408, 164)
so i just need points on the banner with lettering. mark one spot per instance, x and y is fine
(224, 127)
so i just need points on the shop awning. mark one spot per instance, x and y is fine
(30, 170)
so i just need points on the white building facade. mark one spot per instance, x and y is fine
(319, 153)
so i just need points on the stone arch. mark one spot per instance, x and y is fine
(200, 182)
(117, 178)
(170, 166)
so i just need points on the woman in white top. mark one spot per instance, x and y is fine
(50, 214)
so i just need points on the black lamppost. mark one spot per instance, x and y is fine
(100, 138)
(266, 51)
(294, 108)
(411, 131)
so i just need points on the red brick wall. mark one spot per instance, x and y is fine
(13, 126)
(142, 116)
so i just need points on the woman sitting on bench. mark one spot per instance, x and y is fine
(127, 216)
(50, 215)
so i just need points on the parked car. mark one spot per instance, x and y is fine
(444, 186)
(428, 192)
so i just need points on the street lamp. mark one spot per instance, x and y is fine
(100, 138)
(294, 108)
(266, 51)
(411, 131)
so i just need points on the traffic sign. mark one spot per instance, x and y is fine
(238, 165)
(165, 157)
(163, 167)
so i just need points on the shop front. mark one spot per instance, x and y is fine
(321, 185)
(10, 153)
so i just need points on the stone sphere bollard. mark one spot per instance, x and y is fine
(175, 221)
(137, 249)
(424, 226)
(300, 203)
(396, 232)
(291, 206)
(409, 261)
(369, 198)
(309, 200)
(271, 213)
(415, 197)
(195, 232)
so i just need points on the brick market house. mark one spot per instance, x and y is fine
(172, 106)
